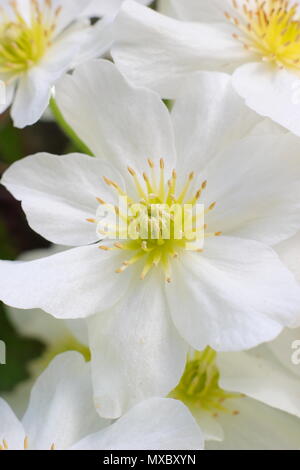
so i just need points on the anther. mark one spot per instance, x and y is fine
(26, 443)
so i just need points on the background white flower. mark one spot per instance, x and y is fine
(242, 400)
(61, 415)
(40, 41)
(234, 295)
(58, 336)
(257, 41)
(268, 416)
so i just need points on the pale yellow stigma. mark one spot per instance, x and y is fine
(160, 222)
(199, 386)
(269, 28)
(23, 41)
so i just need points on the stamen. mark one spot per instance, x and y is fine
(157, 231)
(24, 43)
(199, 386)
(270, 29)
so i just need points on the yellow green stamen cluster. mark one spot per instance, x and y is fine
(154, 190)
(199, 386)
(270, 28)
(24, 42)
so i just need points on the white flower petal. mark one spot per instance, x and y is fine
(136, 351)
(270, 92)
(11, 430)
(61, 409)
(260, 378)
(209, 425)
(208, 11)
(105, 112)
(107, 8)
(233, 296)
(32, 97)
(255, 184)
(160, 52)
(58, 194)
(155, 424)
(70, 11)
(73, 284)
(6, 96)
(257, 427)
(38, 324)
(35, 322)
(66, 50)
(97, 43)
(208, 107)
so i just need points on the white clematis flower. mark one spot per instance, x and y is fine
(233, 295)
(242, 400)
(61, 415)
(41, 40)
(257, 40)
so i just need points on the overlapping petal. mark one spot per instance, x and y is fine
(257, 427)
(108, 111)
(61, 410)
(156, 424)
(260, 378)
(168, 50)
(255, 184)
(233, 296)
(208, 116)
(73, 284)
(136, 347)
(58, 194)
(272, 92)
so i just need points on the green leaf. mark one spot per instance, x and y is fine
(10, 143)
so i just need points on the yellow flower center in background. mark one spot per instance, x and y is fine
(23, 41)
(199, 386)
(270, 28)
(160, 221)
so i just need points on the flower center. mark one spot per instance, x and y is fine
(159, 223)
(270, 28)
(23, 42)
(199, 386)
